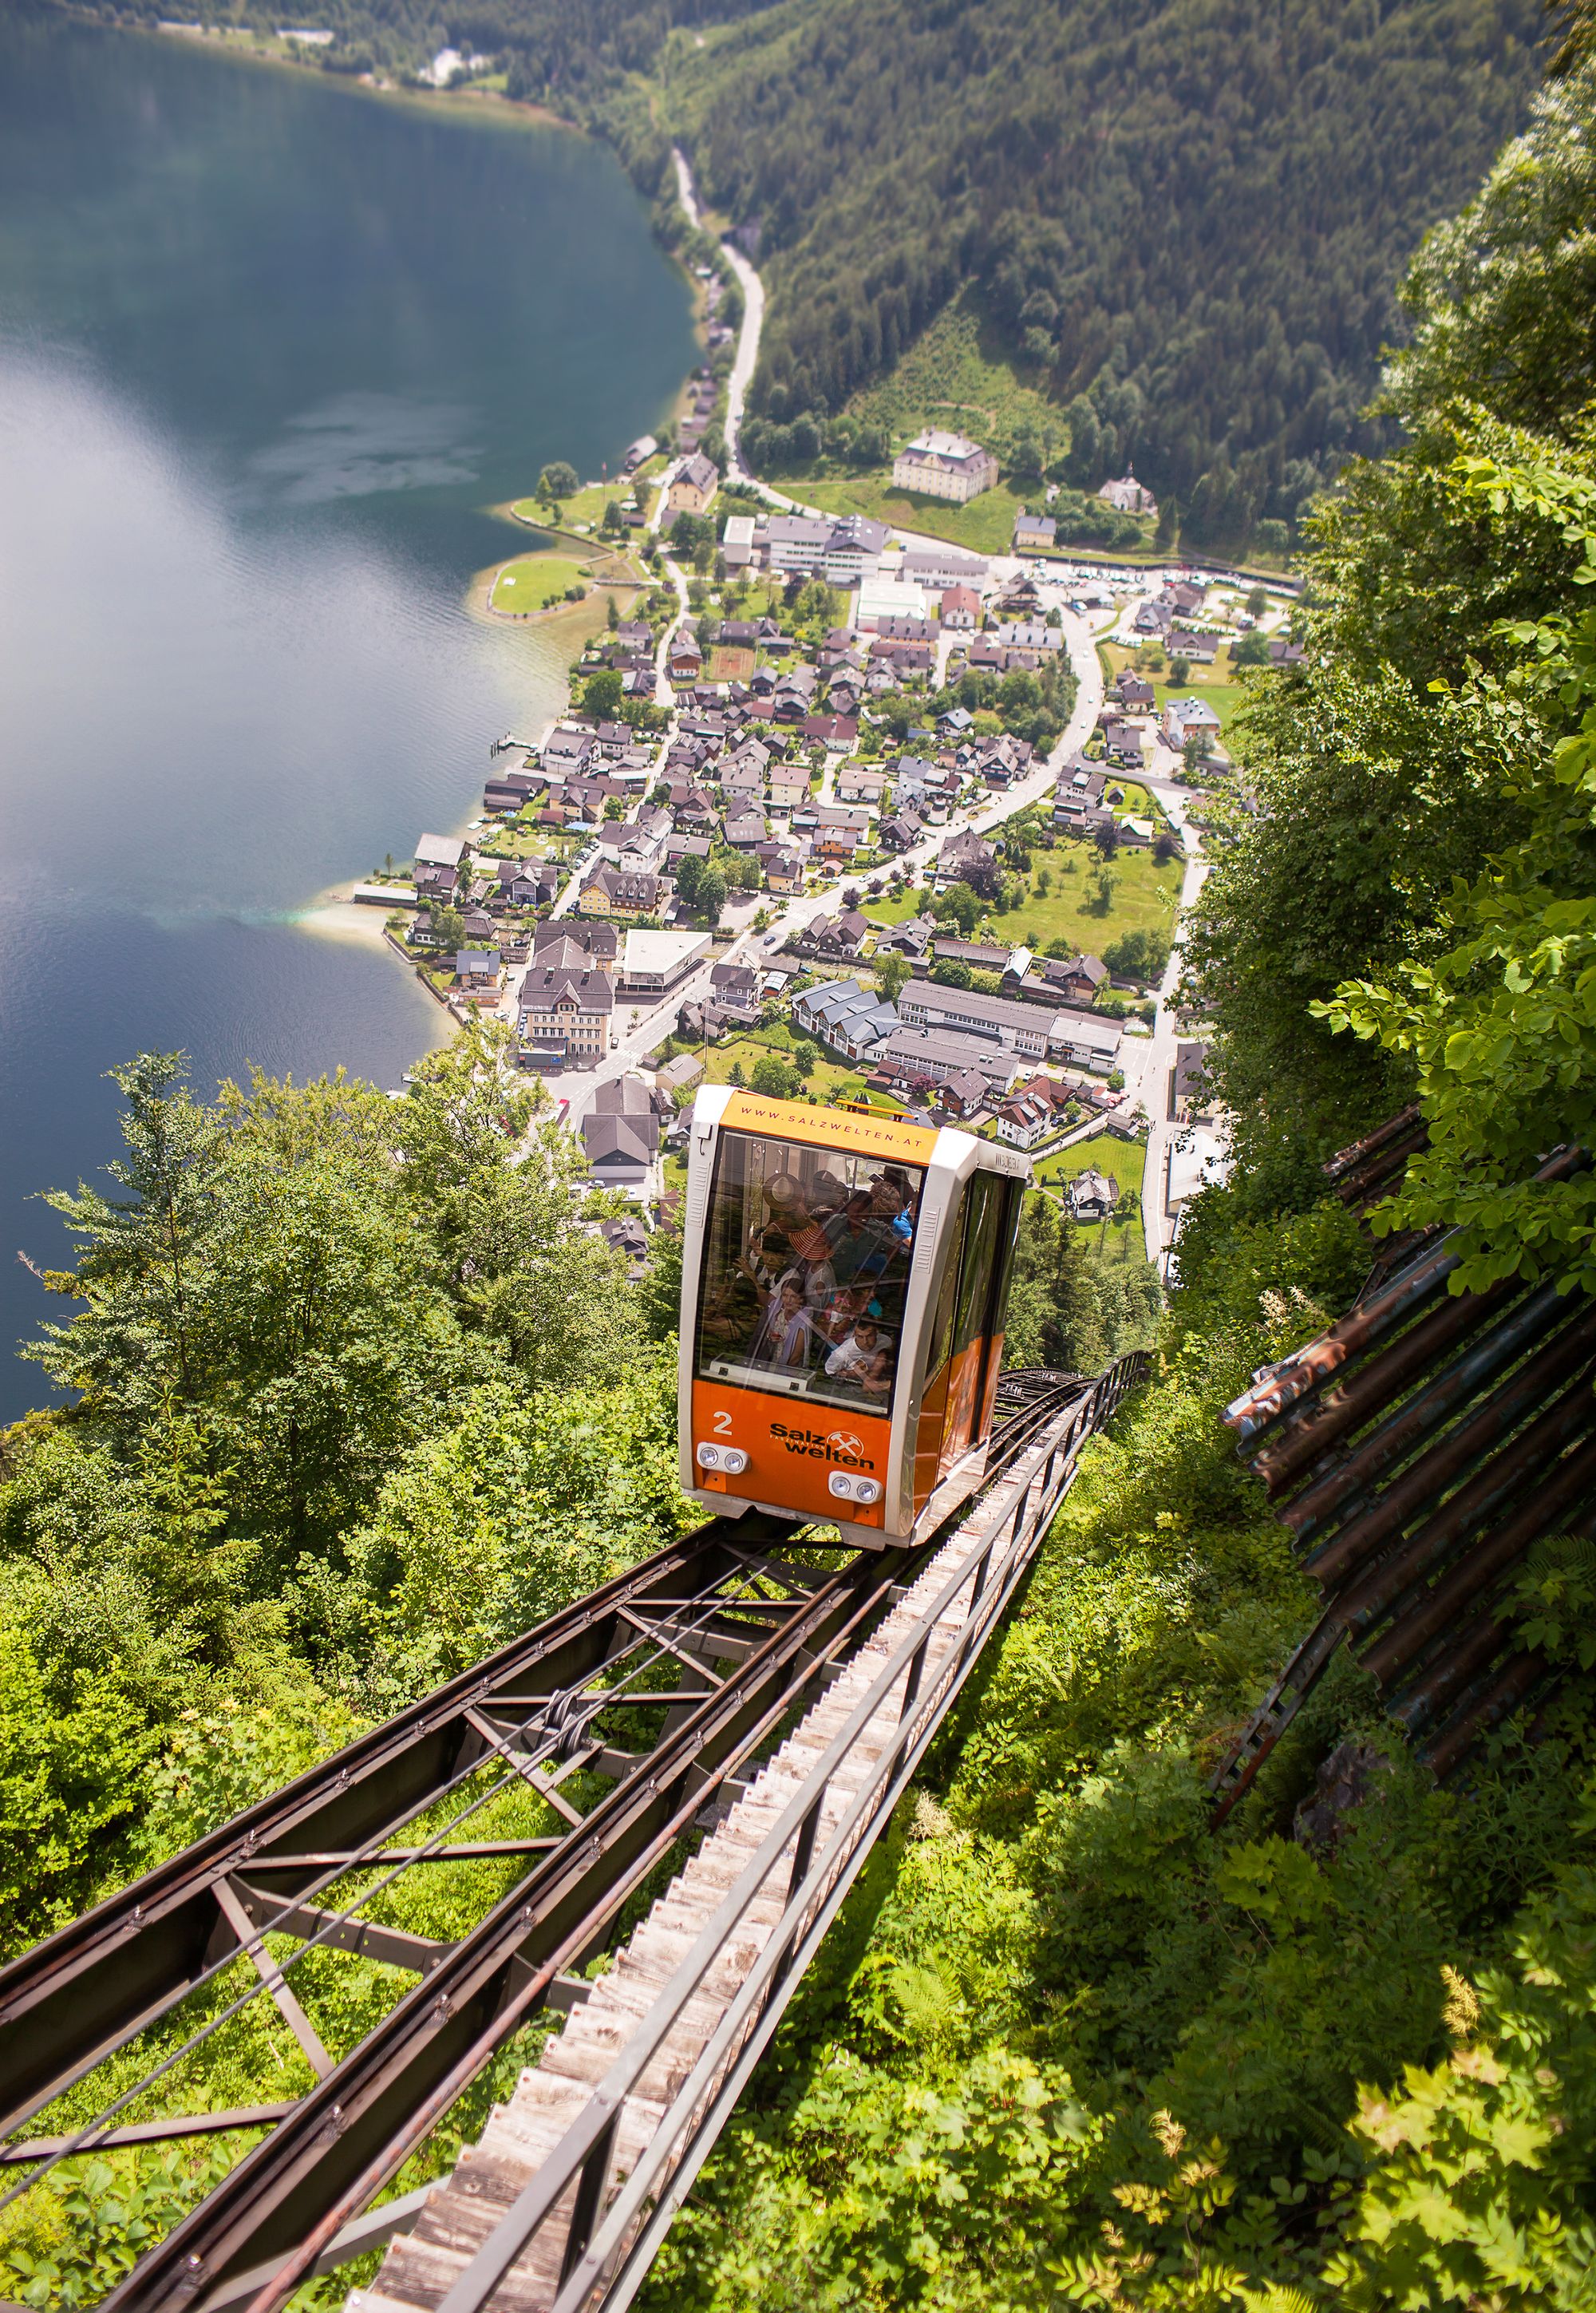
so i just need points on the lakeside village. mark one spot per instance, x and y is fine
(820, 726)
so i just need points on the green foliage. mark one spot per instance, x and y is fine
(1138, 955)
(1419, 870)
(773, 1078)
(1479, 2186)
(557, 481)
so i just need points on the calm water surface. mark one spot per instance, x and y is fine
(268, 347)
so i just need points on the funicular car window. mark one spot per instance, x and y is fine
(807, 1254)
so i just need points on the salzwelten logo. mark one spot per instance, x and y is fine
(824, 1446)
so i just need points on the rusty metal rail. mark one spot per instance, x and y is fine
(1416, 1450)
(626, 1721)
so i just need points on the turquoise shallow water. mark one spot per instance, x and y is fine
(268, 347)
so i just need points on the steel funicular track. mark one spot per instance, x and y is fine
(747, 1642)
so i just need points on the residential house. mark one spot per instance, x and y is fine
(683, 847)
(840, 829)
(1034, 533)
(676, 1076)
(598, 943)
(684, 663)
(793, 695)
(1066, 978)
(944, 466)
(477, 968)
(911, 937)
(784, 871)
(745, 830)
(1093, 1195)
(842, 935)
(693, 486)
(1185, 718)
(1124, 743)
(564, 1016)
(1079, 794)
(960, 609)
(857, 784)
(619, 892)
(620, 1149)
(967, 858)
(1023, 1119)
(735, 988)
(566, 750)
(835, 733)
(1154, 618)
(1197, 644)
(788, 790)
(1284, 652)
(1134, 692)
(901, 832)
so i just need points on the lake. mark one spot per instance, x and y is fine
(269, 348)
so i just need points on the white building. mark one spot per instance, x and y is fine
(944, 466)
(653, 963)
(884, 598)
(940, 567)
(796, 541)
(737, 541)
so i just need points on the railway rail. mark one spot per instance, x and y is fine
(650, 1715)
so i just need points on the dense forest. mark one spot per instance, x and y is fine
(1184, 220)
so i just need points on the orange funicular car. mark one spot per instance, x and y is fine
(843, 1284)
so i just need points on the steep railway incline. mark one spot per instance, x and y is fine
(743, 1683)
(569, 2191)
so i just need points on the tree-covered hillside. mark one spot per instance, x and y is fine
(1188, 217)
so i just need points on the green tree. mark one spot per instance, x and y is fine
(602, 693)
(557, 482)
(892, 975)
(773, 1078)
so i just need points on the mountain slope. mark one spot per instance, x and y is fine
(1187, 216)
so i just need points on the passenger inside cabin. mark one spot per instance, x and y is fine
(856, 1353)
(784, 1334)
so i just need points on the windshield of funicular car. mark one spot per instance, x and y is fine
(805, 1274)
